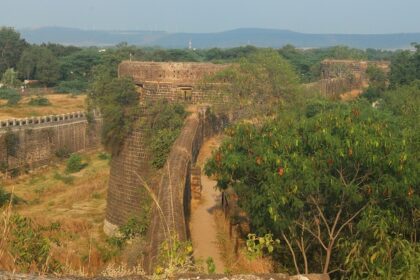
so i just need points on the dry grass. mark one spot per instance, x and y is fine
(60, 104)
(79, 208)
(233, 251)
(351, 95)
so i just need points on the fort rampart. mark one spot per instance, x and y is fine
(37, 140)
(340, 76)
(174, 81)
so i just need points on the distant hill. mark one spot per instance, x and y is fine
(233, 38)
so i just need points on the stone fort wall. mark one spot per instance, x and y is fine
(174, 81)
(130, 168)
(340, 76)
(174, 193)
(39, 138)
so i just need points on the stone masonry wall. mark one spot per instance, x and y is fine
(173, 81)
(41, 137)
(340, 76)
(126, 191)
(179, 73)
(174, 191)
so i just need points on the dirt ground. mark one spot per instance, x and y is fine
(60, 104)
(202, 225)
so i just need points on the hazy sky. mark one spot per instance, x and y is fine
(312, 16)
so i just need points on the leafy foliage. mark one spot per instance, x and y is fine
(135, 227)
(11, 46)
(379, 251)
(39, 101)
(118, 102)
(175, 257)
(6, 197)
(29, 247)
(75, 164)
(104, 156)
(263, 80)
(309, 178)
(65, 178)
(39, 63)
(164, 122)
(73, 86)
(405, 68)
(63, 152)
(257, 245)
(11, 95)
(10, 78)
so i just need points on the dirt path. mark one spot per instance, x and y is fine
(202, 225)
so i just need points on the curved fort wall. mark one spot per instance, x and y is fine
(174, 189)
(155, 81)
(39, 138)
(174, 81)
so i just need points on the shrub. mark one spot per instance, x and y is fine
(63, 152)
(39, 101)
(11, 95)
(104, 156)
(75, 164)
(74, 86)
(161, 146)
(165, 122)
(66, 179)
(5, 198)
(29, 247)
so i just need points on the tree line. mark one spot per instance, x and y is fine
(69, 68)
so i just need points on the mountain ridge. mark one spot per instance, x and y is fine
(260, 37)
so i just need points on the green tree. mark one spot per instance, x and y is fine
(309, 178)
(378, 82)
(78, 65)
(47, 70)
(28, 62)
(10, 78)
(39, 63)
(118, 101)
(11, 48)
(404, 68)
(263, 78)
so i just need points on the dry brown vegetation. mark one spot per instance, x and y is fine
(233, 250)
(60, 104)
(78, 207)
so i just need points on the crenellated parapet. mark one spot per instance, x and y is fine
(37, 140)
(45, 120)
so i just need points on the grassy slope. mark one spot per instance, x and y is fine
(79, 208)
(60, 104)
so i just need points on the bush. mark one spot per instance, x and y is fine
(75, 164)
(104, 156)
(5, 198)
(39, 101)
(161, 146)
(11, 95)
(166, 121)
(29, 247)
(66, 179)
(74, 86)
(63, 152)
